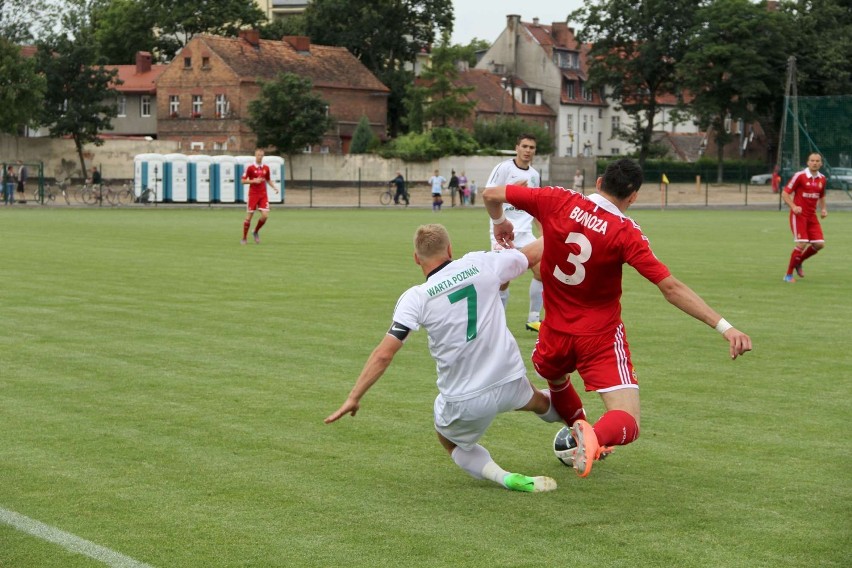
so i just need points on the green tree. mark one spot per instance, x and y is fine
(636, 46)
(822, 43)
(503, 134)
(183, 19)
(384, 35)
(731, 68)
(123, 27)
(80, 97)
(278, 28)
(444, 102)
(363, 137)
(22, 89)
(288, 115)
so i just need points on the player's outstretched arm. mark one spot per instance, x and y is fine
(683, 297)
(378, 362)
(533, 251)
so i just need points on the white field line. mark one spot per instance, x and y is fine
(68, 541)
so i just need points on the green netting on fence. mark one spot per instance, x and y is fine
(817, 124)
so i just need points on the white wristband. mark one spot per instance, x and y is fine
(502, 219)
(723, 326)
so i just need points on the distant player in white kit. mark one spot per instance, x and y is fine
(519, 171)
(480, 369)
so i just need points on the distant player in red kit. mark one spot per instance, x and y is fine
(803, 194)
(257, 174)
(587, 240)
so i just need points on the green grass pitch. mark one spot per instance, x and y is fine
(162, 391)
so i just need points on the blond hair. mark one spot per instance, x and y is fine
(431, 240)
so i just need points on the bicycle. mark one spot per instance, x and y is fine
(50, 193)
(389, 195)
(147, 197)
(123, 196)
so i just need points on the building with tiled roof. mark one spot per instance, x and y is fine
(137, 97)
(496, 99)
(549, 58)
(203, 95)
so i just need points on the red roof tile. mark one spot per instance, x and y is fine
(133, 82)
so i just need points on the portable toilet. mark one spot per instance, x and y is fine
(199, 178)
(276, 172)
(225, 181)
(175, 182)
(144, 166)
(242, 163)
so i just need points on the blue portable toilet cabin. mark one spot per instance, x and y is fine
(175, 178)
(276, 172)
(242, 162)
(144, 166)
(199, 171)
(224, 179)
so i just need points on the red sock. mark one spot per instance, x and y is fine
(567, 402)
(260, 223)
(795, 260)
(616, 428)
(809, 252)
(246, 225)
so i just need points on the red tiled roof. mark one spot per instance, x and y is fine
(326, 66)
(133, 82)
(28, 50)
(492, 98)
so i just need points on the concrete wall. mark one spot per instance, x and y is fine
(115, 159)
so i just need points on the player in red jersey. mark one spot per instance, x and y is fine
(803, 194)
(257, 175)
(587, 239)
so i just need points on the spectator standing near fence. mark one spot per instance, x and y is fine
(23, 176)
(9, 185)
(578, 181)
(804, 194)
(453, 188)
(473, 191)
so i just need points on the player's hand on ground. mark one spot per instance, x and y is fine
(348, 407)
(738, 341)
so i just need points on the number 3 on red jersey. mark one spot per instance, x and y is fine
(577, 260)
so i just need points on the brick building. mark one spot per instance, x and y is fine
(203, 95)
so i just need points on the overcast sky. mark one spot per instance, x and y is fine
(486, 19)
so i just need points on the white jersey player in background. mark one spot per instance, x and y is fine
(480, 369)
(519, 171)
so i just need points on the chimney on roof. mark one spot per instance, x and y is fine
(513, 22)
(143, 62)
(302, 44)
(562, 34)
(535, 22)
(252, 37)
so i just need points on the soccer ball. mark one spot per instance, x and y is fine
(564, 446)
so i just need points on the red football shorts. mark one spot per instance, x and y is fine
(806, 228)
(603, 361)
(258, 200)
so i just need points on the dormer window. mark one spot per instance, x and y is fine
(565, 59)
(531, 97)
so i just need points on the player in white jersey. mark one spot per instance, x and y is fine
(519, 171)
(480, 369)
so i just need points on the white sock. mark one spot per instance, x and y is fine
(536, 300)
(551, 415)
(504, 297)
(478, 463)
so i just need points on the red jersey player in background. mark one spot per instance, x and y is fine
(587, 240)
(803, 193)
(257, 174)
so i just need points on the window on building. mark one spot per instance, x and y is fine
(145, 106)
(529, 96)
(197, 104)
(592, 123)
(569, 123)
(174, 106)
(187, 62)
(585, 123)
(323, 149)
(205, 63)
(616, 125)
(196, 145)
(569, 90)
(728, 124)
(307, 149)
(121, 103)
(223, 106)
(586, 93)
(565, 59)
(600, 140)
(615, 151)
